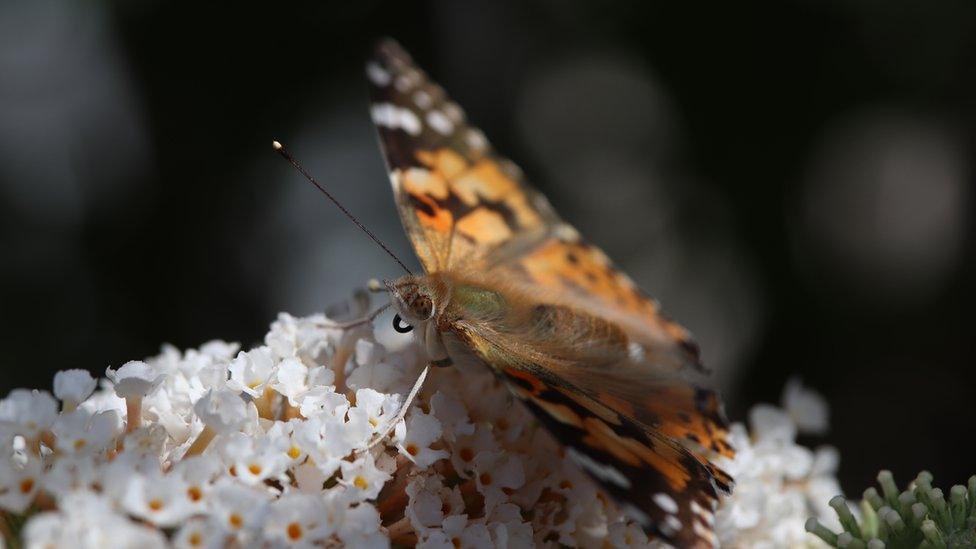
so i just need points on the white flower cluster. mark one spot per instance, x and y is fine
(277, 446)
(272, 447)
(779, 484)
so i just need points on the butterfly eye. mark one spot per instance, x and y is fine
(400, 326)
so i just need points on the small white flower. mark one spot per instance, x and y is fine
(28, 413)
(467, 447)
(297, 520)
(88, 521)
(770, 424)
(363, 478)
(310, 437)
(380, 408)
(321, 400)
(80, 431)
(431, 501)
(308, 478)
(254, 459)
(290, 379)
(384, 376)
(251, 371)
(198, 533)
(360, 527)
(222, 410)
(197, 474)
(415, 437)
(134, 379)
(147, 441)
(455, 532)
(368, 353)
(283, 435)
(237, 509)
(73, 386)
(19, 484)
(509, 531)
(220, 350)
(71, 473)
(452, 414)
(298, 337)
(425, 508)
(159, 499)
(496, 472)
(806, 407)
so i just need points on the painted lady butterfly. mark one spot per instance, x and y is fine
(510, 285)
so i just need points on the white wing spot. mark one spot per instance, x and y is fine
(422, 99)
(702, 512)
(407, 81)
(476, 140)
(454, 112)
(635, 351)
(378, 75)
(566, 233)
(393, 117)
(440, 123)
(672, 524)
(607, 473)
(703, 532)
(666, 503)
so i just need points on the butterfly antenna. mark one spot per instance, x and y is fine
(280, 149)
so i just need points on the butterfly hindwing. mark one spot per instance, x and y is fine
(659, 484)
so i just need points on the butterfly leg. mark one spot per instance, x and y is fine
(436, 351)
(390, 426)
(353, 323)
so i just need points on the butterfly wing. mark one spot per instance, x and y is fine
(578, 375)
(467, 209)
(457, 199)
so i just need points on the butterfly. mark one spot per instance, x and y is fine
(510, 285)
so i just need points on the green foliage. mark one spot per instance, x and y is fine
(919, 517)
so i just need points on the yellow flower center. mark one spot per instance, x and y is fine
(294, 531)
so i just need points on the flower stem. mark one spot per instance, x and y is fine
(201, 443)
(133, 413)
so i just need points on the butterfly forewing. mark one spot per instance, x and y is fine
(457, 199)
(614, 380)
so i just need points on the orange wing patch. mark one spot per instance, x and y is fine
(457, 199)
(467, 208)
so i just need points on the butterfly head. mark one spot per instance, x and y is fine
(414, 298)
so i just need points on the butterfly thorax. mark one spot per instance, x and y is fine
(442, 299)
(478, 312)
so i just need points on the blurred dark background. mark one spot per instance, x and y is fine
(793, 179)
